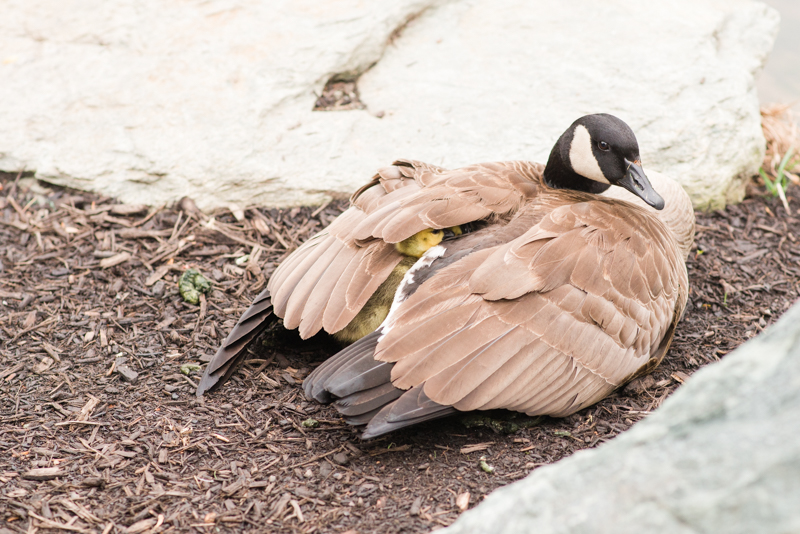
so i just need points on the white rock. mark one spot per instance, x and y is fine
(150, 101)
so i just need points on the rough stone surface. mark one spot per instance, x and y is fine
(150, 101)
(720, 455)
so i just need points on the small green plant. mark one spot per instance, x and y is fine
(777, 187)
(187, 368)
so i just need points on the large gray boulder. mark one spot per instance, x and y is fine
(150, 101)
(721, 455)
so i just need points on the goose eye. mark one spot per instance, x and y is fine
(603, 145)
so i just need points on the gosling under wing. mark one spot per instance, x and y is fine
(466, 340)
(411, 196)
(580, 329)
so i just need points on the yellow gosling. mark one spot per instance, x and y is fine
(419, 243)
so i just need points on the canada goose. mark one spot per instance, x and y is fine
(499, 285)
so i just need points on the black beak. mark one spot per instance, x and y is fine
(448, 234)
(637, 183)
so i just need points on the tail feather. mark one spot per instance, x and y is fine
(366, 401)
(413, 407)
(316, 384)
(362, 390)
(234, 349)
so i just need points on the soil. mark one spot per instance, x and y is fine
(102, 431)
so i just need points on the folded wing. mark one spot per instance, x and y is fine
(547, 323)
(328, 280)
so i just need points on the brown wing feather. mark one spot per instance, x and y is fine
(337, 314)
(291, 271)
(310, 273)
(602, 287)
(326, 282)
(451, 198)
(319, 298)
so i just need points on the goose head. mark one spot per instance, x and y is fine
(596, 152)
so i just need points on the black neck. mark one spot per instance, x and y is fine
(559, 175)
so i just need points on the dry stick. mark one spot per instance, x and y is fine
(12, 190)
(171, 250)
(34, 327)
(175, 228)
(56, 524)
(319, 209)
(185, 224)
(320, 457)
(153, 212)
(216, 227)
(20, 211)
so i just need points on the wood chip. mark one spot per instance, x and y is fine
(476, 447)
(158, 274)
(127, 374)
(138, 233)
(51, 350)
(30, 320)
(117, 259)
(140, 526)
(280, 505)
(55, 524)
(415, 506)
(11, 370)
(87, 409)
(43, 365)
(680, 376)
(298, 513)
(378, 452)
(43, 473)
(128, 209)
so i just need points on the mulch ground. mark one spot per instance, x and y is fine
(89, 301)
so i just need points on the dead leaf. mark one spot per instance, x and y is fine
(43, 365)
(462, 501)
(30, 320)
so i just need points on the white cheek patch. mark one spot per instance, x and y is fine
(582, 158)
